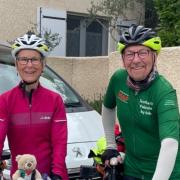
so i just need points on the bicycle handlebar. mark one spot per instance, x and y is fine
(5, 155)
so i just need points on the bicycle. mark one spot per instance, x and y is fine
(112, 172)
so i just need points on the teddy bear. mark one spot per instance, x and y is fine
(26, 168)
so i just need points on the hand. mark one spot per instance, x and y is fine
(3, 165)
(55, 177)
(108, 154)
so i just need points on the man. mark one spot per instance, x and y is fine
(33, 117)
(147, 110)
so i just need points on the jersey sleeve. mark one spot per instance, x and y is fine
(110, 97)
(168, 116)
(59, 139)
(3, 122)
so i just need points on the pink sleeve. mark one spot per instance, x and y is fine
(59, 139)
(3, 123)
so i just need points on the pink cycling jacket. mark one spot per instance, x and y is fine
(37, 126)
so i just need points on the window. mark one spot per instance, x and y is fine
(94, 39)
(84, 38)
(73, 36)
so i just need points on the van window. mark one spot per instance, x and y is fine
(54, 83)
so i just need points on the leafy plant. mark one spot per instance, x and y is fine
(169, 21)
(52, 39)
(113, 10)
(151, 17)
(96, 104)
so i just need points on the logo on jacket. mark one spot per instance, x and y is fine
(146, 107)
(78, 152)
(123, 96)
(45, 117)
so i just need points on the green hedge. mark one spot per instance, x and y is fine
(96, 104)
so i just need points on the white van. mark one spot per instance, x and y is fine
(84, 124)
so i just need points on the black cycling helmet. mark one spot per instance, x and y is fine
(139, 35)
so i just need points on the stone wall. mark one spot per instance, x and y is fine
(87, 75)
(90, 75)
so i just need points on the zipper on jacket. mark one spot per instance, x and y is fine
(30, 97)
(136, 93)
(132, 93)
(30, 103)
(27, 95)
(134, 124)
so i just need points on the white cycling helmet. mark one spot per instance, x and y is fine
(29, 41)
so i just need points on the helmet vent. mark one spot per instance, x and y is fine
(24, 42)
(17, 45)
(39, 45)
(156, 42)
(32, 42)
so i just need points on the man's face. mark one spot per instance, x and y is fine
(138, 61)
(29, 65)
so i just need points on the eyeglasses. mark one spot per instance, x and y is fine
(25, 60)
(143, 53)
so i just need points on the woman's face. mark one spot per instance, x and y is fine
(29, 65)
